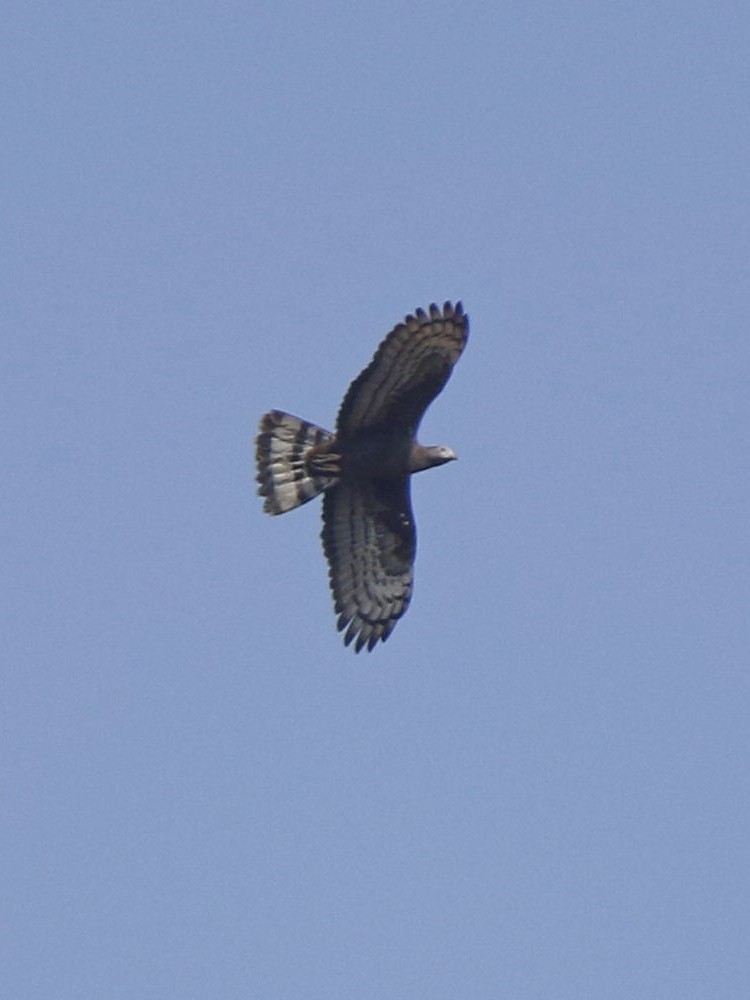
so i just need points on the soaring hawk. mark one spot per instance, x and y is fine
(363, 470)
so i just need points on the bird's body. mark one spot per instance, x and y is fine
(363, 470)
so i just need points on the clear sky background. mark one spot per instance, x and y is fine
(539, 788)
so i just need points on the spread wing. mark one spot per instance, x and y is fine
(409, 369)
(369, 540)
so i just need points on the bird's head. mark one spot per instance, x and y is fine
(427, 456)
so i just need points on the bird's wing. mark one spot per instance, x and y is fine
(369, 540)
(409, 369)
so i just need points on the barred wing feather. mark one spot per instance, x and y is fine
(410, 367)
(370, 542)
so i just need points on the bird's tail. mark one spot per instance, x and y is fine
(293, 464)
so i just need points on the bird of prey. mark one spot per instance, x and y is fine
(363, 470)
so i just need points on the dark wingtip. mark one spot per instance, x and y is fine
(450, 310)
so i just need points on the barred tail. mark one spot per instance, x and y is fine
(287, 479)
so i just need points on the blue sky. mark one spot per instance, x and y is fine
(539, 787)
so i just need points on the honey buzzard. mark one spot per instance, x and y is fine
(363, 470)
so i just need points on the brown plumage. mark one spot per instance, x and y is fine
(363, 470)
